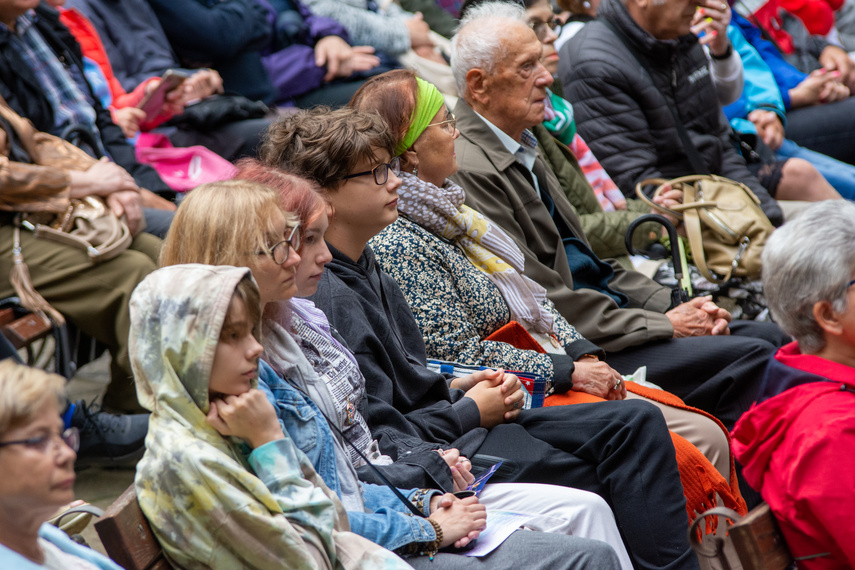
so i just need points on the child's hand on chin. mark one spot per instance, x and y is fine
(249, 416)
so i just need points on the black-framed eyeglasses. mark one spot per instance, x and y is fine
(851, 283)
(381, 171)
(540, 27)
(70, 437)
(282, 250)
(448, 125)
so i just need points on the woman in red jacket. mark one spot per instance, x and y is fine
(795, 443)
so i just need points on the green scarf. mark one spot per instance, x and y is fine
(428, 102)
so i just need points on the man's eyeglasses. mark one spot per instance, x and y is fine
(282, 250)
(540, 28)
(447, 125)
(70, 437)
(381, 171)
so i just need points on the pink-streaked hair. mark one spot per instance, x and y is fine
(297, 195)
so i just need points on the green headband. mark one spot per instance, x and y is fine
(428, 103)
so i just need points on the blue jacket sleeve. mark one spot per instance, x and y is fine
(390, 523)
(786, 75)
(292, 69)
(760, 90)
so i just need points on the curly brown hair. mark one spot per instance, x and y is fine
(324, 145)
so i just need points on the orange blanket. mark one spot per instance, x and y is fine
(701, 481)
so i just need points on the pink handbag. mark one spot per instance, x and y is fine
(182, 168)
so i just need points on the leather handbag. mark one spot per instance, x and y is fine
(723, 220)
(35, 165)
(85, 223)
(218, 110)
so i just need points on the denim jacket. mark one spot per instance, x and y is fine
(387, 521)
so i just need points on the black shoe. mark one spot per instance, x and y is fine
(108, 439)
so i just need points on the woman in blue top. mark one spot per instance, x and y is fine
(37, 474)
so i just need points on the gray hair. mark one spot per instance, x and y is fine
(808, 260)
(476, 43)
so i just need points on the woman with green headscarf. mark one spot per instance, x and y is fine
(463, 276)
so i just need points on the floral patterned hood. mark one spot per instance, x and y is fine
(207, 505)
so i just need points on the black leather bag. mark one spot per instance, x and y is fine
(218, 110)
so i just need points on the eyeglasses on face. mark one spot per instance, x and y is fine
(447, 125)
(70, 437)
(540, 28)
(282, 250)
(381, 171)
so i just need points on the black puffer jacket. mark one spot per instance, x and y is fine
(624, 117)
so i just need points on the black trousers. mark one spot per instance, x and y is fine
(718, 374)
(828, 128)
(619, 450)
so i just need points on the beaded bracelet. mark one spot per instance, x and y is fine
(433, 547)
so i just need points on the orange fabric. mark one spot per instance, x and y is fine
(515, 334)
(701, 481)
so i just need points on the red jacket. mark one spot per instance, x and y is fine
(798, 450)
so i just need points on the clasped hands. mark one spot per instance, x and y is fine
(699, 317)
(498, 395)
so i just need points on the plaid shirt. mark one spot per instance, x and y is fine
(70, 105)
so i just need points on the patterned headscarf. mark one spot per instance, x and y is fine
(207, 506)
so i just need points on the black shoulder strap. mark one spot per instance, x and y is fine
(377, 472)
(691, 151)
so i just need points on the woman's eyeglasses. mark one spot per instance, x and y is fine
(282, 250)
(541, 28)
(70, 437)
(447, 125)
(381, 171)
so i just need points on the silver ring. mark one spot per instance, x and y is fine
(617, 384)
(723, 7)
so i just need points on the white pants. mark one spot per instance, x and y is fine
(560, 510)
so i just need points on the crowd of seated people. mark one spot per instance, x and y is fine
(271, 336)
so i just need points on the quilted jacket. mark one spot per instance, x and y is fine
(622, 111)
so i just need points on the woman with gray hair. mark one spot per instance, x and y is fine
(795, 442)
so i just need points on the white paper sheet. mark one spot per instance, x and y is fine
(500, 525)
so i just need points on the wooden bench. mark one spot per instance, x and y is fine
(759, 542)
(127, 537)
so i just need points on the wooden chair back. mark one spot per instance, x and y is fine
(759, 542)
(127, 536)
